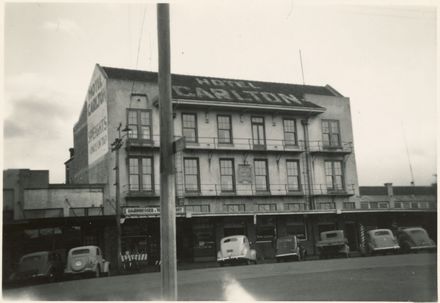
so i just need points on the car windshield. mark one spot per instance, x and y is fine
(81, 251)
(230, 240)
(382, 233)
(32, 259)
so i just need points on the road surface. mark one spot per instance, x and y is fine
(411, 277)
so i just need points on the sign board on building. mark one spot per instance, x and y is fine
(146, 212)
(244, 174)
(97, 122)
(241, 91)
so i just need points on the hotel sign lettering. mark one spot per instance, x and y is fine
(223, 90)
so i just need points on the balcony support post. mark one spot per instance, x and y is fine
(305, 124)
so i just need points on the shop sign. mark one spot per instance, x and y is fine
(244, 175)
(97, 122)
(227, 90)
(147, 211)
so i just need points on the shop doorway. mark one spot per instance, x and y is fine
(351, 233)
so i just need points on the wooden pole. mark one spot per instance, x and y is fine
(167, 188)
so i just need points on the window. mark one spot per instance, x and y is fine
(141, 174)
(327, 205)
(414, 205)
(258, 133)
(290, 132)
(227, 175)
(384, 205)
(374, 205)
(197, 208)
(139, 123)
(293, 182)
(267, 207)
(364, 205)
(224, 129)
(349, 205)
(189, 127)
(192, 179)
(424, 204)
(333, 174)
(234, 208)
(295, 206)
(261, 175)
(398, 204)
(330, 133)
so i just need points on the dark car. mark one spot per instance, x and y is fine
(414, 239)
(42, 265)
(287, 248)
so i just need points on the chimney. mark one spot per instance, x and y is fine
(389, 187)
(71, 151)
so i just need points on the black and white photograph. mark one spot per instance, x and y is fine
(219, 150)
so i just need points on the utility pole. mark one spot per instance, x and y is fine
(116, 145)
(167, 185)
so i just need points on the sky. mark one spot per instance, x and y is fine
(382, 57)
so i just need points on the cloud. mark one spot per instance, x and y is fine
(64, 26)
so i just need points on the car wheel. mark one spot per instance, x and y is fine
(248, 262)
(51, 276)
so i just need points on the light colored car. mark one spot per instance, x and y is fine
(381, 240)
(42, 265)
(87, 259)
(333, 243)
(287, 248)
(236, 249)
(415, 239)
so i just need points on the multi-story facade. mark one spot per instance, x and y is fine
(262, 159)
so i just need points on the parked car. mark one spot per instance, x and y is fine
(87, 260)
(414, 239)
(42, 265)
(287, 248)
(381, 240)
(333, 243)
(236, 249)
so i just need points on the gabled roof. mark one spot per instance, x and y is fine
(221, 90)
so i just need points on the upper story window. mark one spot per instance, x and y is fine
(258, 132)
(334, 175)
(224, 128)
(192, 174)
(139, 123)
(261, 175)
(189, 127)
(290, 135)
(227, 175)
(141, 174)
(331, 135)
(293, 181)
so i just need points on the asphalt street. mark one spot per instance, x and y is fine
(411, 277)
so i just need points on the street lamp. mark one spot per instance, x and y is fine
(116, 146)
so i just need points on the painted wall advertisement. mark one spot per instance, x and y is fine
(97, 122)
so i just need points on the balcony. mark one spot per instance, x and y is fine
(213, 143)
(325, 148)
(239, 190)
(322, 189)
(139, 193)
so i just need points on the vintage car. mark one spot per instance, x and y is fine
(236, 249)
(43, 265)
(381, 241)
(287, 248)
(333, 243)
(86, 260)
(414, 239)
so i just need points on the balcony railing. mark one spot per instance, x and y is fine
(324, 147)
(215, 143)
(323, 189)
(238, 190)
